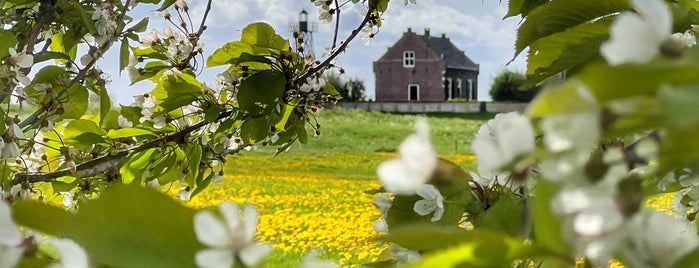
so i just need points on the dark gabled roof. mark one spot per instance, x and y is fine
(453, 57)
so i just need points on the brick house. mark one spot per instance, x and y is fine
(426, 69)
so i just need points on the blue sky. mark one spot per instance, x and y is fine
(475, 26)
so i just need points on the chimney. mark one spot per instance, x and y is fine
(444, 36)
(410, 30)
(427, 32)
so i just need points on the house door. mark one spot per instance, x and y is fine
(414, 92)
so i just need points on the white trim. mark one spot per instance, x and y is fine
(418, 92)
(409, 59)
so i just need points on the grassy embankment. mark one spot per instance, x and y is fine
(312, 196)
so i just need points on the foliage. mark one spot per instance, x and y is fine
(562, 183)
(508, 86)
(350, 90)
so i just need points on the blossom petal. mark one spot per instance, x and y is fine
(214, 258)
(424, 207)
(210, 230)
(72, 255)
(9, 234)
(250, 217)
(231, 215)
(9, 256)
(251, 255)
(398, 178)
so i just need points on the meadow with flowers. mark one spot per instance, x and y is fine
(313, 198)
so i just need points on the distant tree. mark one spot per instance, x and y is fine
(351, 90)
(507, 86)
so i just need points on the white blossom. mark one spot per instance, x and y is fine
(19, 191)
(68, 199)
(414, 166)
(10, 238)
(405, 2)
(432, 202)
(123, 122)
(501, 141)
(104, 25)
(311, 261)
(185, 193)
(9, 150)
(684, 40)
(658, 240)
(367, 33)
(404, 256)
(226, 239)
(568, 132)
(20, 59)
(72, 255)
(636, 37)
(131, 69)
(150, 39)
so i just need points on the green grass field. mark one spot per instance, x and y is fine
(312, 197)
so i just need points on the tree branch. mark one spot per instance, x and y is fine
(110, 162)
(342, 47)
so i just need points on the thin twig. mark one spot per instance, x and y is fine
(336, 53)
(109, 162)
(337, 24)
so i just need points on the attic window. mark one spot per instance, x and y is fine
(408, 59)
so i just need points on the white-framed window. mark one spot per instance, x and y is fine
(459, 88)
(449, 89)
(414, 92)
(470, 89)
(408, 59)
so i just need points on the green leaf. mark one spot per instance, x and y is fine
(261, 34)
(523, 7)
(83, 133)
(565, 50)
(135, 165)
(124, 55)
(254, 129)
(51, 55)
(166, 4)
(64, 44)
(285, 113)
(615, 82)
(78, 100)
(128, 132)
(194, 152)
(238, 52)
(679, 105)
(174, 91)
(40, 216)
(679, 147)
(481, 249)
(64, 184)
(260, 92)
(557, 16)
(424, 236)
(132, 226)
(141, 26)
(7, 40)
(330, 90)
(547, 227)
(569, 97)
(105, 105)
(688, 260)
(154, 52)
(378, 5)
(211, 114)
(504, 216)
(401, 212)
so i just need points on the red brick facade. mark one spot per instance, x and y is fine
(395, 75)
